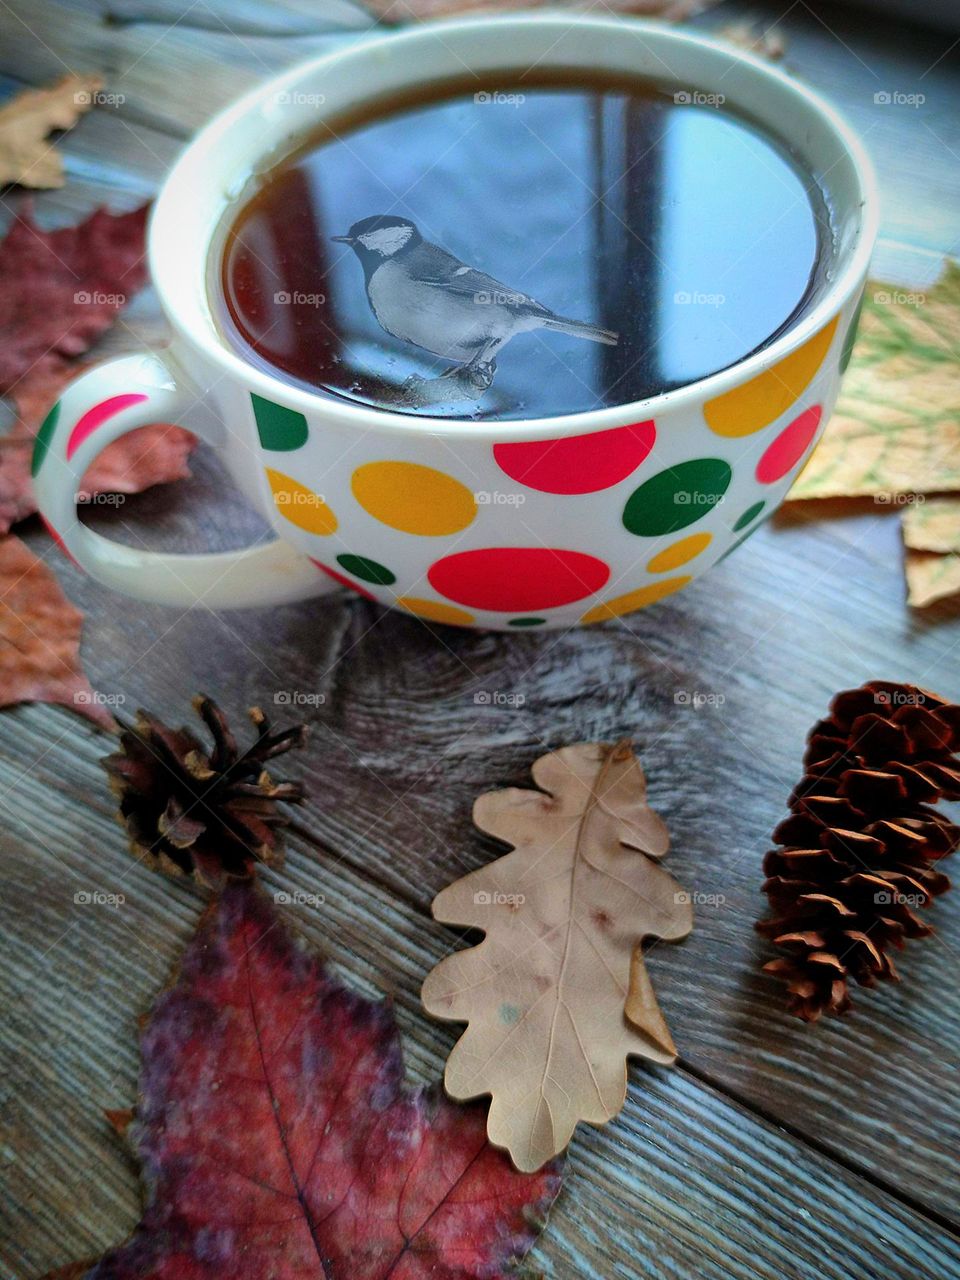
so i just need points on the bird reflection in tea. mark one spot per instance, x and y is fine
(636, 241)
(424, 295)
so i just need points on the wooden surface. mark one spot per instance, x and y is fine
(773, 1149)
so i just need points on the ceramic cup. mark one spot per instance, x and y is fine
(546, 522)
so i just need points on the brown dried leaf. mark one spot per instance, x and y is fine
(40, 638)
(896, 427)
(25, 122)
(544, 993)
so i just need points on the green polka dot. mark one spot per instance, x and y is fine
(526, 622)
(280, 429)
(368, 570)
(44, 436)
(749, 515)
(851, 337)
(677, 497)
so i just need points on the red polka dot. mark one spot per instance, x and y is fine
(518, 579)
(789, 447)
(578, 464)
(344, 581)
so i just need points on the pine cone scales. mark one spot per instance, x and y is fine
(207, 813)
(861, 842)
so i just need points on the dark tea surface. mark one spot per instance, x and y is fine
(525, 250)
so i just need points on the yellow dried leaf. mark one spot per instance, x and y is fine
(896, 427)
(933, 525)
(931, 577)
(544, 995)
(25, 122)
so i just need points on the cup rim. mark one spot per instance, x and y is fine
(204, 336)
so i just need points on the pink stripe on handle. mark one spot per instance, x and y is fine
(97, 416)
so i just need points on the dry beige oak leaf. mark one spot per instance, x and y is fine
(546, 993)
(26, 122)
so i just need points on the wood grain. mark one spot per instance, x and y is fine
(773, 1150)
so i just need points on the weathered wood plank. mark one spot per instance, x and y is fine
(684, 1183)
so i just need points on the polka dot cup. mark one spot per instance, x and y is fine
(543, 523)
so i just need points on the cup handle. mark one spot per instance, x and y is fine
(99, 407)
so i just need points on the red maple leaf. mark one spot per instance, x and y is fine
(59, 292)
(279, 1141)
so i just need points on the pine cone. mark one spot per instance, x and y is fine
(211, 814)
(861, 842)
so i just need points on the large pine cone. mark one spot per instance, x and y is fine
(861, 842)
(193, 811)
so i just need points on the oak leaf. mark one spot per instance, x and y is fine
(544, 994)
(896, 426)
(279, 1140)
(40, 638)
(26, 121)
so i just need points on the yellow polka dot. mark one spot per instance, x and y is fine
(634, 600)
(757, 403)
(433, 611)
(300, 505)
(682, 551)
(412, 498)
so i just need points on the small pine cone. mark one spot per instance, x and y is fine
(210, 814)
(861, 843)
